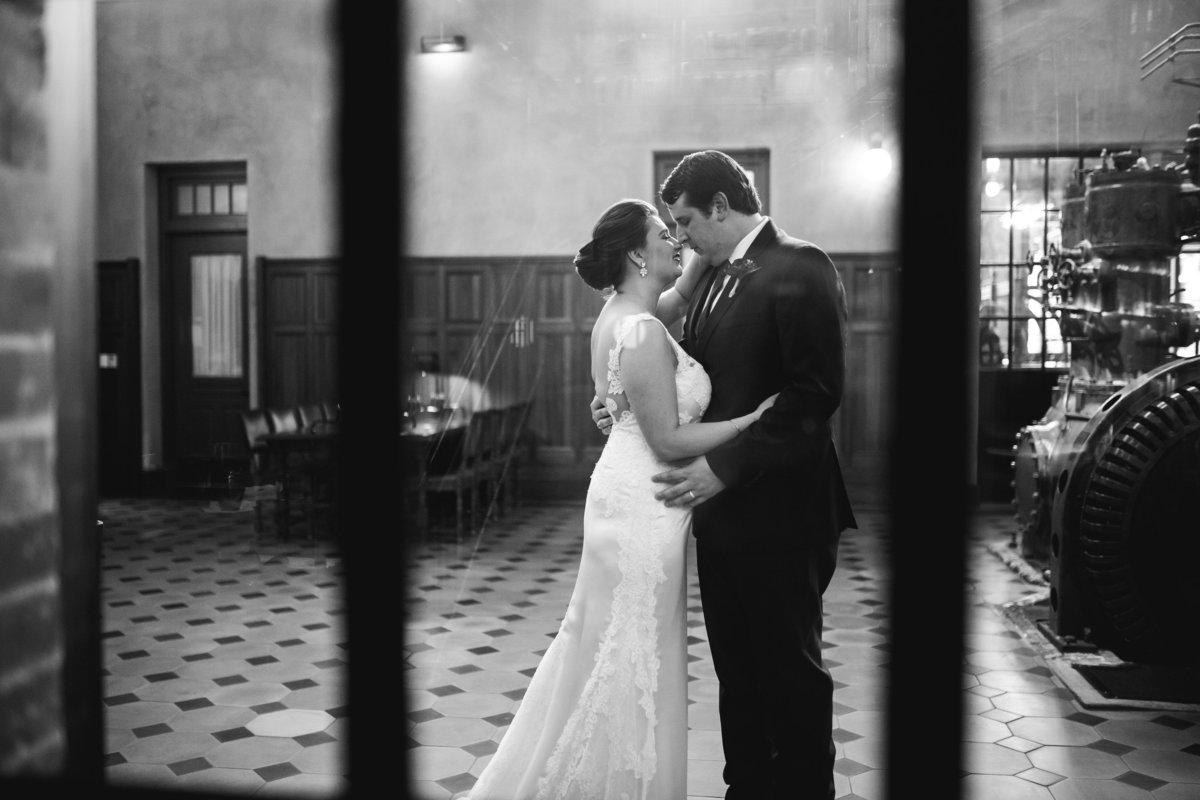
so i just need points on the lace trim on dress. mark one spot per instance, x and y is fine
(617, 702)
(607, 748)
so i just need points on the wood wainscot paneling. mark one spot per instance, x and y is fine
(510, 330)
(862, 426)
(514, 329)
(298, 319)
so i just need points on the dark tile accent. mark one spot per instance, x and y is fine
(842, 736)
(1141, 781)
(1192, 749)
(483, 748)
(168, 637)
(267, 708)
(277, 771)
(445, 691)
(228, 639)
(303, 683)
(159, 677)
(121, 699)
(152, 730)
(457, 783)
(500, 720)
(132, 654)
(198, 657)
(484, 650)
(194, 703)
(425, 715)
(112, 759)
(515, 694)
(1173, 722)
(1086, 719)
(258, 661)
(232, 734)
(189, 766)
(849, 767)
(230, 680)
(313, 739)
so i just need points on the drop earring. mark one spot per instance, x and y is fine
(642, 268)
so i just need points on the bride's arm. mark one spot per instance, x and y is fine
(673, 303)
(648, 373)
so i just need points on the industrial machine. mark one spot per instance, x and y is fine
(1107, 483)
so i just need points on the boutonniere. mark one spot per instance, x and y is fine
(738, 269)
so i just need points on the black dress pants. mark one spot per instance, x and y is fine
(763, 616)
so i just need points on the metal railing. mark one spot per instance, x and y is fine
(1166, 51)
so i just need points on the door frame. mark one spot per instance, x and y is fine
(171, 226)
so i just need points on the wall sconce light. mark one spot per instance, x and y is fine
(443, 44)
(879, 160)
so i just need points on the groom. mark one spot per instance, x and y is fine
(770, 505)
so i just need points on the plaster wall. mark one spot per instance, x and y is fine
(516, 146)
(214, 80)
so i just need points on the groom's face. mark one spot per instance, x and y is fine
(697, 228)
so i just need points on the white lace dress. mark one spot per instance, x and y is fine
(605, 714)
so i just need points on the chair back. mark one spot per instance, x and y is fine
(255, 424)
(518, 421)
(310, 414)
(283, 420)
(491, 429)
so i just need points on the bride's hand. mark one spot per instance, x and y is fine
(765, 404)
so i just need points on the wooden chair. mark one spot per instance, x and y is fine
(283, 420)
(489, 472)
(306, 488)
(512, 451)
(310, 414)
(455, 469)
(255, 423)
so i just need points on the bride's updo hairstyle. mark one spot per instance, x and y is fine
(621, 228)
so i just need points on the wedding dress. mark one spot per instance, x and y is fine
(605, 713)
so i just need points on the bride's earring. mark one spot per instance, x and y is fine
(642, 268)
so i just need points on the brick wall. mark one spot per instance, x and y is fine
(31, 648)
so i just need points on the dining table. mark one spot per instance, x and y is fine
(302, 458)
(429, 444)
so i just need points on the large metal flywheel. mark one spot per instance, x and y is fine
(1139, 527)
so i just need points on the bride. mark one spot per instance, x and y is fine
(605, 713)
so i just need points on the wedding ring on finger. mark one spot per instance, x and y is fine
(693, 494)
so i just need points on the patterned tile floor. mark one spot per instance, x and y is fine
(224, 656)
(223, 653)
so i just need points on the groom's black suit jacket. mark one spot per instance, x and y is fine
(783, 330)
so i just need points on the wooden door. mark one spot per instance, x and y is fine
(119, 384)
(208, 334)
(298, 319)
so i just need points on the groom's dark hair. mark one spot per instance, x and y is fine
(701, 175)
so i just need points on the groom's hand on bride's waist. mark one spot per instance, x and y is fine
(689, 485)
(600, 416)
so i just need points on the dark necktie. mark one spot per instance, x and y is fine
(712, 295)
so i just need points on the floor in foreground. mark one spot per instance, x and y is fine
(225, 664)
